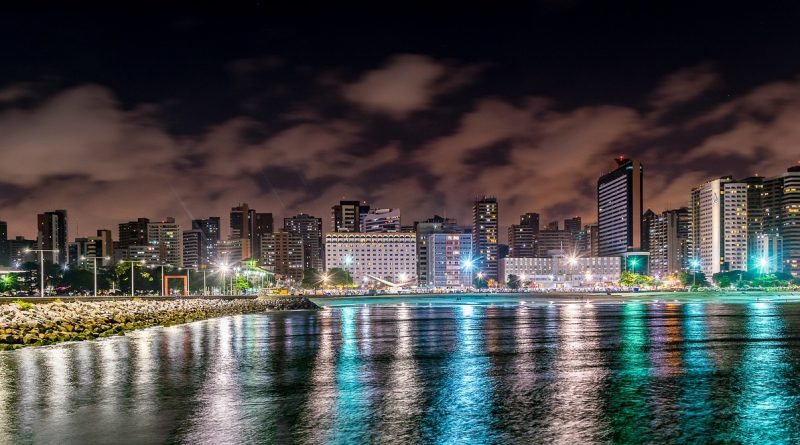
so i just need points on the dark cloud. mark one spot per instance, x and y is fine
(80, 149)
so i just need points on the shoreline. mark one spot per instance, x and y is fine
(45, 323)
(556, 298)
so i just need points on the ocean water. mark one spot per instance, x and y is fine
(405, 370)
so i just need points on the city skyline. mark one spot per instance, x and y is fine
(418, 124)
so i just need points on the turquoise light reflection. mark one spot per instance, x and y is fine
(352, 409)
(629, 394)
(695, 397)
(765, 409)
(462, 410)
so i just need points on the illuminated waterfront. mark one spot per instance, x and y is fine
(419, 373)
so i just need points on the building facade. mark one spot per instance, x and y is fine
(282, 252)
(768, 253)
(790, 220)
(166, 236)
(564, 271)
(382, 220)
(210, 235)
(230, 251)
(310, 230)
(719, 225)
(193, 248)
(52, 235)
(242, 221)
(573, 226)
(553, 242)
(423, 229)
(347, 216)
(263, 225)
(19, 251)
(373, 257)
(522, 237)
(133, 233)
(449, 253)
(484, 237)
(619, 208)
(669, 242)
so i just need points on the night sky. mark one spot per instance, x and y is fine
(186, 111)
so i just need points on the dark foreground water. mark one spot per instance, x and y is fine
(507, 373)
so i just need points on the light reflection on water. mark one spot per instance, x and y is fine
(502, 373)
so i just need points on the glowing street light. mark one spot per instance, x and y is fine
(94, 267)
(133, 266)
(162, 266)
(468, 264)
(695, 263)
(762, 264)
(633, 262)
(41, 266)
(325, 279)
(224, 268)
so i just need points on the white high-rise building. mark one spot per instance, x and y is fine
(447, 257)
(369, 257)
(166, 236)
(769, 253)
(719, 225)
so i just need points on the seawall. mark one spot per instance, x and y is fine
(27, 324)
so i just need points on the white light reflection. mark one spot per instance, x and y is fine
(220, 417)
(403, 397)
(577, 401)
(317, 414)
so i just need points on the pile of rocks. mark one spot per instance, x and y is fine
(46, 323)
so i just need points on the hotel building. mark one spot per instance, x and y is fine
(382, 257)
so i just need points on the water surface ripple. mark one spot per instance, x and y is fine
(505, 373)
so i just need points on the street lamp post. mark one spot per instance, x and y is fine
(94, 268)
(41, 266)
(695, 266)
(469, 265)
(162, 266)
(633, 262)
(133, 279)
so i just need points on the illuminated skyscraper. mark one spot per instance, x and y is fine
(484, 237)
(619, 209)
(52, 235)
(719, 225)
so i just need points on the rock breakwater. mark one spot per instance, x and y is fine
(47, 323)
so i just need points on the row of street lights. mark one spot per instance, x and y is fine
(224, 268)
